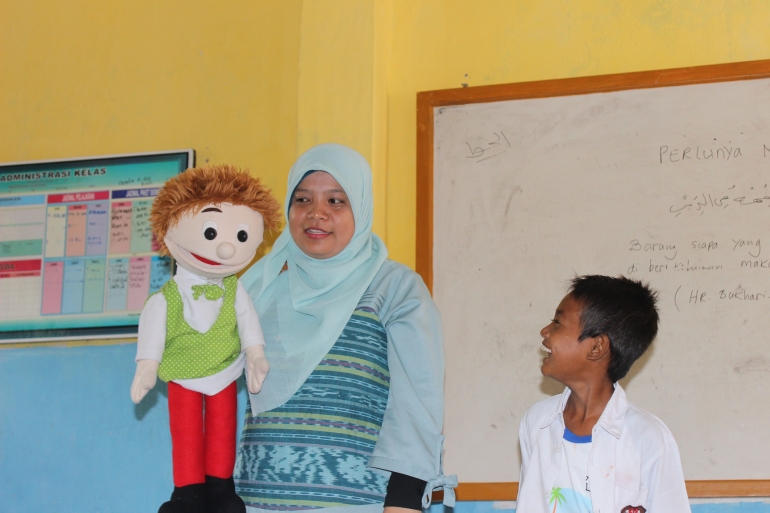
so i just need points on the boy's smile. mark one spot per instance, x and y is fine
(564, 351)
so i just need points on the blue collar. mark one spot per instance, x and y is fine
(575, 439)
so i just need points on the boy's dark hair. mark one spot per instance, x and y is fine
(624, 310)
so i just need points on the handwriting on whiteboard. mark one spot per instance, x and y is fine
(696, 255)
(700, 257)
(701, 202)
(716, 152)
(492, 146)
(683, 154)
(687, 297)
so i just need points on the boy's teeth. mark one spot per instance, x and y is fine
(545, 349)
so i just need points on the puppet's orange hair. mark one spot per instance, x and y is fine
(201, 186)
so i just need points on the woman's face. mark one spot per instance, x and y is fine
(320, 217)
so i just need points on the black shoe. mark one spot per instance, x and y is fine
(186, 499)
(221, 496)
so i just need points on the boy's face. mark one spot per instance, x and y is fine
(566, 356)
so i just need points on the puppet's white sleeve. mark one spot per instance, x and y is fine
(249, 327)
(152, 329)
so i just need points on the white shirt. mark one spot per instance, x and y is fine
(572, 489)
(634, 459)
(200, 314)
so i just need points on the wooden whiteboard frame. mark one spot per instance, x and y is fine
(430, 100)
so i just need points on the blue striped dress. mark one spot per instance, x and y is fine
(312, 451)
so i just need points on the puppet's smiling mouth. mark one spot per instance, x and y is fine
(204, 260)
(201, 265)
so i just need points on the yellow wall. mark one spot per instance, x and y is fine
(92, 78)
(256, 82)
(342, 83)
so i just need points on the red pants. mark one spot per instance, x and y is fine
(202, 443)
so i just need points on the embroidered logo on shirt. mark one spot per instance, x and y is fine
(633, 509)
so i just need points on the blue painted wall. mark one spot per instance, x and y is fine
(71, 440)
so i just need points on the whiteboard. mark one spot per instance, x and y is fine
(668, 185)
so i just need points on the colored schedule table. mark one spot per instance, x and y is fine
(76, 248)
(95, 249)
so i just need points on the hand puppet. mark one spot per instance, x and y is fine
(201, 330)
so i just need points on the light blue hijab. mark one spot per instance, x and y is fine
(304, 309)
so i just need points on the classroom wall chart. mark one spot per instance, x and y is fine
(77, 256)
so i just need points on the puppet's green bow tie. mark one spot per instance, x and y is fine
(212, 292)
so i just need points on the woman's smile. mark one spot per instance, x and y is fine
(316, 233)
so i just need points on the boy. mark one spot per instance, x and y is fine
(589, 449)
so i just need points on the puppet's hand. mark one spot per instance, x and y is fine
(144, 379)
(257, 367)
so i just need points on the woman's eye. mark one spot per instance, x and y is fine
(210, 230)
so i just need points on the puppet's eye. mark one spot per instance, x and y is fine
(243, 232)
(210, 230)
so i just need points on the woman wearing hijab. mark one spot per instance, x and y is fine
(349, 417)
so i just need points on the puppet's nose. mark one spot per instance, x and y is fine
(225, 250)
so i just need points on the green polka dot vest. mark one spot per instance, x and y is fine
(191, 354)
